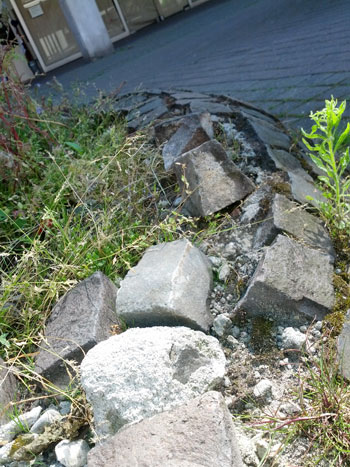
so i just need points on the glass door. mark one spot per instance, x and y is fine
(138, 14)
(113, 19)
(48, 31)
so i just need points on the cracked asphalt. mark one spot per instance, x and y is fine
(284, 56)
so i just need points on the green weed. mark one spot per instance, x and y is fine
(332, 158)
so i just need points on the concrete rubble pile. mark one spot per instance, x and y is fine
(160, 390)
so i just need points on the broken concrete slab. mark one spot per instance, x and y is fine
(293, 284)
(8, 391)
(82, 318)
(144, 371)
(169, 287)
(193, 131)
(199, 432)
(291, 218)
(210, 180)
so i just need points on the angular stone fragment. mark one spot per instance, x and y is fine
(9, 431)
(145, 371)
(343, 348)
(198, 433)
(194, 131)
(293, 284)
(212, 181)
(286, 161)
(304, 188)
(46, 419)
(169, 287)
(72, 453)
(81, 319)
(270, 134)
(8, 390)
(286, 216)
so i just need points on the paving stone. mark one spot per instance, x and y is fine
(211, 106)
(152, 110)
(145, 371)
(194, 131)
(128, 102)
(343, 348)
(81, 319)
(286, 216)
(188, 95)
(293, 284)
(198, 433)
(8, 390)
(213, 182)
(169, 287)
(270, 134)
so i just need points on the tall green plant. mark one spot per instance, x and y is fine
(329, 154)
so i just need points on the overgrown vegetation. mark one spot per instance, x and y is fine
(78, 194)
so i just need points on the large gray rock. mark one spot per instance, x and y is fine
(8, 390)
(343, 348)
(198, 433)
(286, 216)
(292, 284)
(144, 371)
(212, 181)
(194, 131)
(81, 319)
(169, 287)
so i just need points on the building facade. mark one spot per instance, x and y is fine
(56, 32)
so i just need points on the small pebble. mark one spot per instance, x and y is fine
(318, 325)
(303, 329)
(235, 331)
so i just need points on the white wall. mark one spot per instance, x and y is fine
(88, 27)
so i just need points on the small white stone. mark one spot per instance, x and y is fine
(303, 329)
(72, 453)
(215, 261)
(224, 272)
(263, 390)
(232, 342)
(46, 419)
(261, 448)
(227, 382)
(5, 453)
(292, 339)
(65, 407)
(318, 325)
(221, 325)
